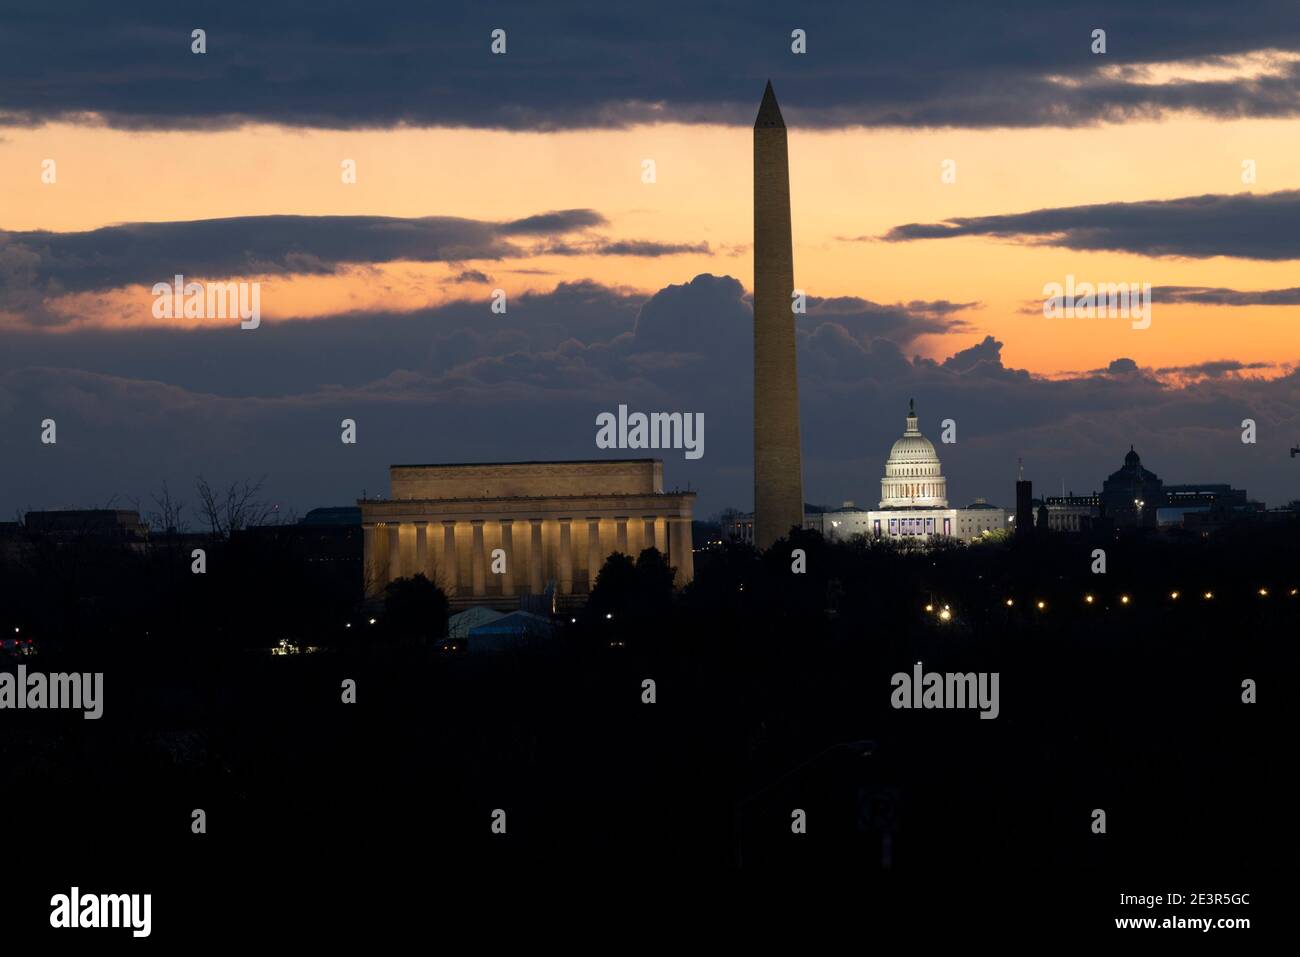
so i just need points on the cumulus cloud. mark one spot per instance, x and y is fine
(443, 384)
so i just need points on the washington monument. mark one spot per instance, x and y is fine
(778, 473)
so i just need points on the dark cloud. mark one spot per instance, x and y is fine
(556, 221)
(412, 63)
(1216, 369)
(114, 256)
(622, 247)
(901, 322)
(1207, 296)
(1213, 369)
(460, 383)
(1196, 295)
(1244, 225)
(470, 275)
(39, 264)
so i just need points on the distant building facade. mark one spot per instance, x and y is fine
(554, 522)
(107, 524)
(738, 527)
(329, 538)
(1024, 518)
(1133, 496)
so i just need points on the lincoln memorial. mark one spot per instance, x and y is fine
(554, 521)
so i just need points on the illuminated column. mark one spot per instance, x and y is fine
(566, 557)
(649, 540)
(679, 544)
(620, 539)
(661, 535)
(422, 549)
(394, 551)
(535, 558)
(508, 546)
(371, 559)
(594, 555)
(450, 564)
(688, 552)
(477, 569)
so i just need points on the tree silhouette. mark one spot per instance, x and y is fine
(637, 593)
(615, 587)
(415, 610)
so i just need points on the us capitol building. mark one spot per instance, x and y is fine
(913, 500)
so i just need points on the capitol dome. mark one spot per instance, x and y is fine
(913, 478)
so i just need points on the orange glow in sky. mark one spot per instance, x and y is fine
(847, 187)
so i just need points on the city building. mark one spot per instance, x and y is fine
(1133, 496)
(491, 533)
(325, 537)
(1024, 517)
(119, 525)
(738, 527)
(913, 502)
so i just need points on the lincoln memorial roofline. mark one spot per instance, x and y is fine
(529, 498)
(462, 465)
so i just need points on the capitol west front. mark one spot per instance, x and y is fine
(913, 500)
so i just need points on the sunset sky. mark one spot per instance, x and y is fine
(524, 172)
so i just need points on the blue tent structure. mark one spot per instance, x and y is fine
(460, 625)
(518, 629)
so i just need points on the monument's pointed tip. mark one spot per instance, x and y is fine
(769, 112)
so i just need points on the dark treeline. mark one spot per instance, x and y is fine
(772, 694)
